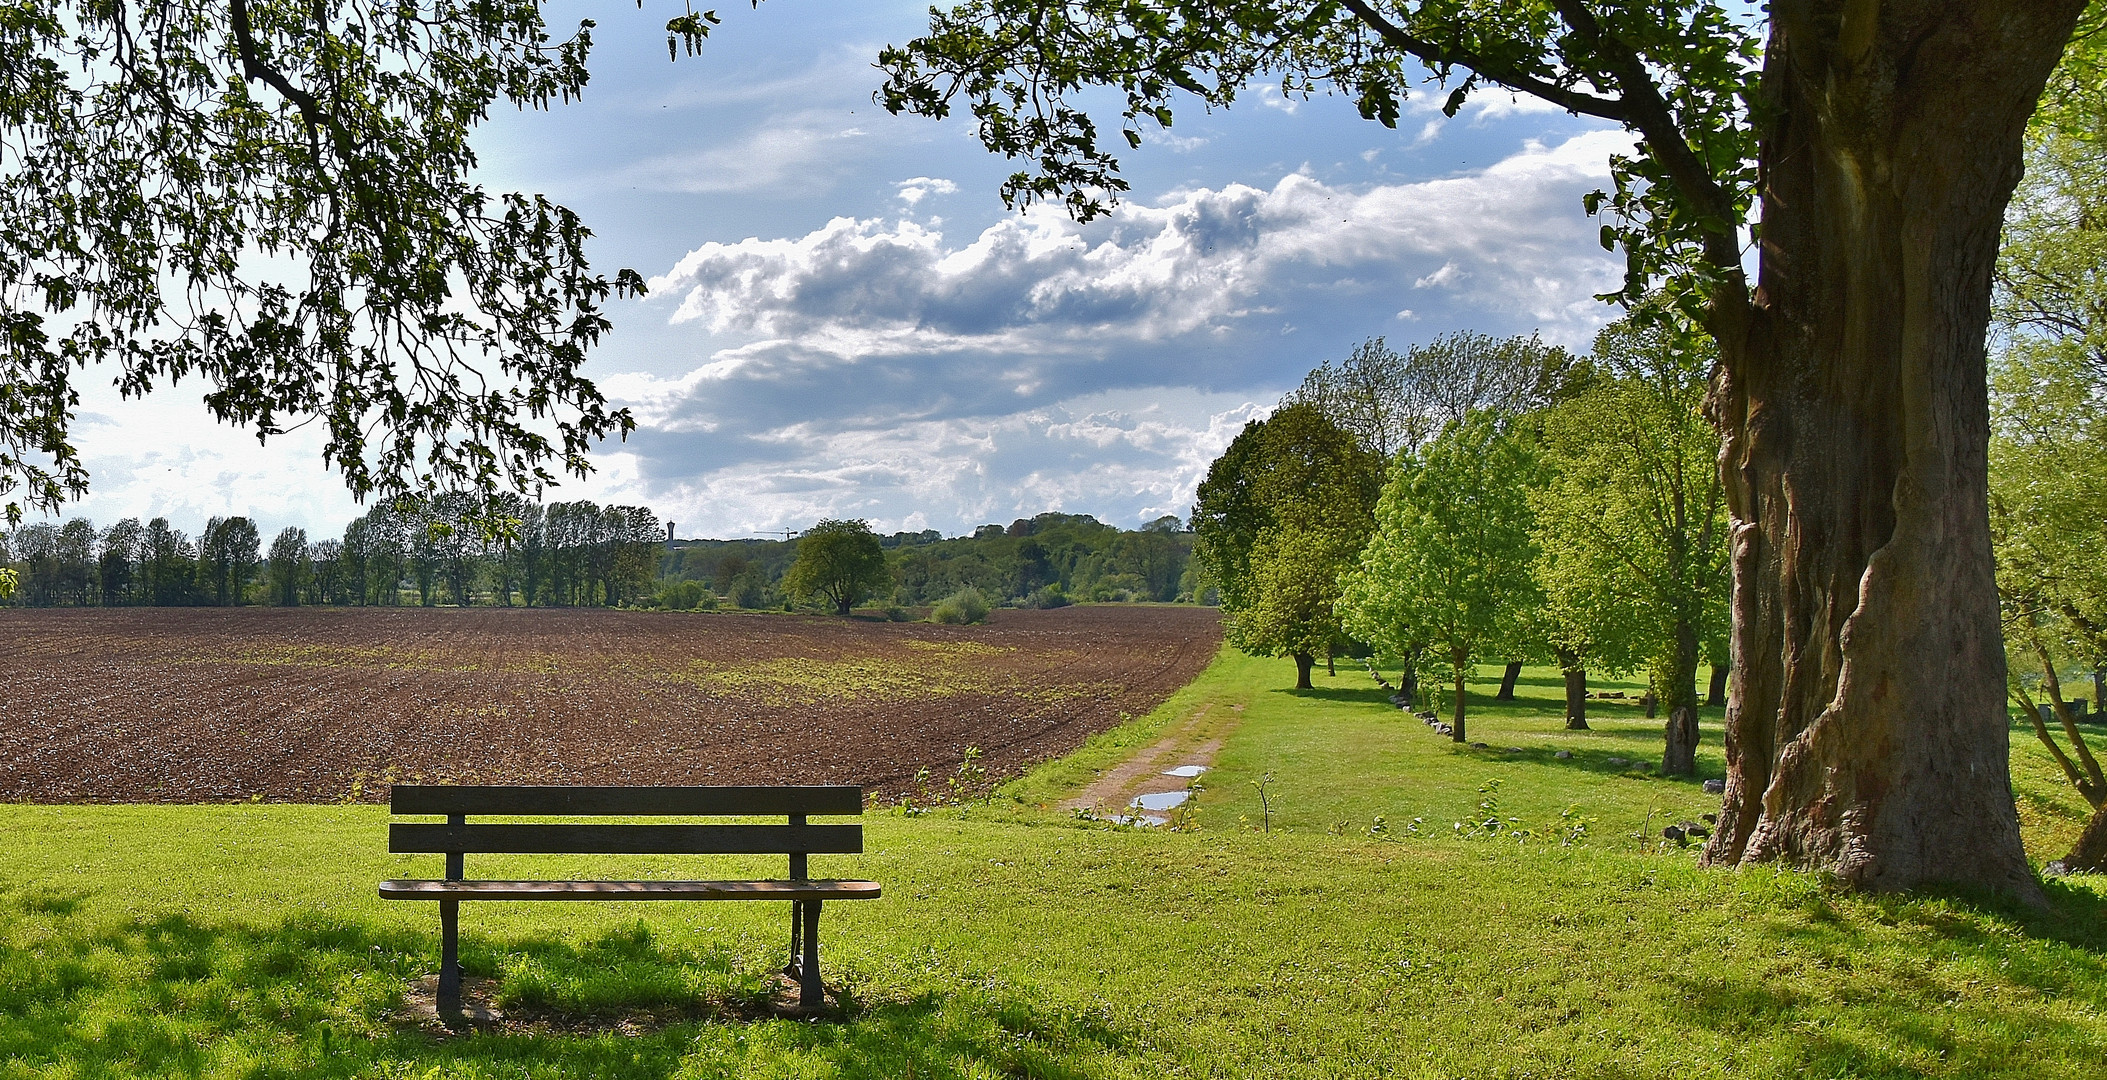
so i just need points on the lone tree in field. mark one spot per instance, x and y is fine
(1446, 577)
(1280, 514)
(838, 561)
(1882, 140)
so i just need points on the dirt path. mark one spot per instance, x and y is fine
(1191, 745)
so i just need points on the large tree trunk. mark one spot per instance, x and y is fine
(1679, 755)
(1507, 680)
(1303, 663)
(1576, 690)
(1867, 735)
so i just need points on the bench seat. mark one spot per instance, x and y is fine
(797, 838)
(629, 890)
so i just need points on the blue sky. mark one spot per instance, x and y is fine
(846, 322)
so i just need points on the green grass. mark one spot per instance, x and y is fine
(246, 941)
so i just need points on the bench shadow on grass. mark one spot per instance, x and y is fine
(315, 996)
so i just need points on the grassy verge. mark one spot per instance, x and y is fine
(246, 941)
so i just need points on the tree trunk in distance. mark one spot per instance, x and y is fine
(1652, 703)
(1867, 734)
(1331, 667)
(1576, 690)
(1716, 694)
(2099, 691)
(1507, 679)
(1303, 663)
(1679, 753)
(841, 608)
(1456, 659)
(2089, 854)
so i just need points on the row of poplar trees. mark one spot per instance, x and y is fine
(451, 549)
(1480, 500)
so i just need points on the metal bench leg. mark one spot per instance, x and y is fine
(449, 956)
(812, 993)
(797, 935)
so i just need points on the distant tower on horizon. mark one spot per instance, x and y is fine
(669, 532)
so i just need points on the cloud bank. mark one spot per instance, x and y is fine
(885, 368)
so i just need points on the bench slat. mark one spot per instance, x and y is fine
(629, 890)
(627, 839)
(630, 801)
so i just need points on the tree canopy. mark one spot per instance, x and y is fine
(275, 198)
(1632, 520)
(1445, 579)
(840, 561)
(1279, 515)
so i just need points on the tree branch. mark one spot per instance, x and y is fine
(1509, 77)
(1649, 113)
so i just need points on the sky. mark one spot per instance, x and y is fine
(845, 321)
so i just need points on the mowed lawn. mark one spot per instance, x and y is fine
(1016, 940)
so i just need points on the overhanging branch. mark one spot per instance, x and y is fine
(1503, 74)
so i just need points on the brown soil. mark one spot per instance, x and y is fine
(322, 705)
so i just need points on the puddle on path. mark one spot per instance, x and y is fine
(1160, 800)
(1187, 771)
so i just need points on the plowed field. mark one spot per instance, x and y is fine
(322, 705)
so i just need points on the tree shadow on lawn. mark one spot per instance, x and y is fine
(1850, 978)
(317, 996)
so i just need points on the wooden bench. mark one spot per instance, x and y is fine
(797, 839)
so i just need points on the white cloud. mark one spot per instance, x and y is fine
(1205, 258)
(797, 152)
(1128, 457)
(913, 191)
(885, 369)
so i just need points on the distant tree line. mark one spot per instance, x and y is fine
(1048, 560)
(449, 550)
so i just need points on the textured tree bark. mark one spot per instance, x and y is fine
(1576, 690)
(1303, 663)
(1507, 681)
(1867, 732)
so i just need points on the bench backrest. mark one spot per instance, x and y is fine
(457, 836)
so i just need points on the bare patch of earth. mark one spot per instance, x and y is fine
(1193, 743)
(331, 704)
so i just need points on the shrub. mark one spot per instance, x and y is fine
(687, 596)
(1047, 596)
(962, 607)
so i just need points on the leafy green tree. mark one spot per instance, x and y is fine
(1632, 523)
(1446, 577)
(228, 552)
(1852, 394)
(1279, 514)
(839, 561)
(119, 557)
(168, 564)
(435, 331)
(289, 568)
(2048, 447)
